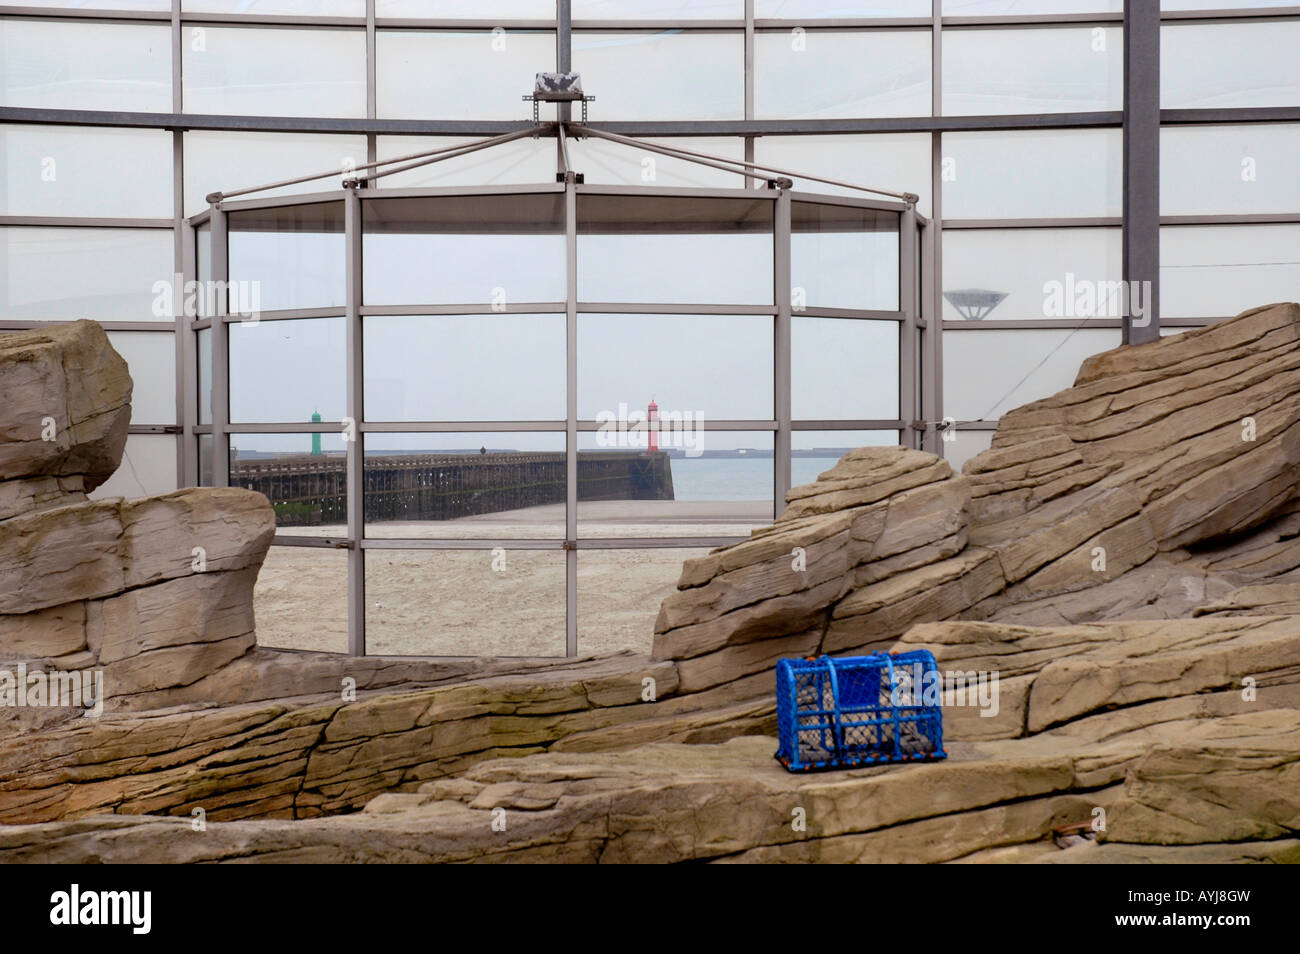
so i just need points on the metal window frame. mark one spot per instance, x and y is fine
(781, 426)
(1140, 134)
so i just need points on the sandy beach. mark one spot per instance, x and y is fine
(455, 603)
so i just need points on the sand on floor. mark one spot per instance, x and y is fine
(507, 602)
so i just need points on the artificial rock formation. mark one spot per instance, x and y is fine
(1123, 559)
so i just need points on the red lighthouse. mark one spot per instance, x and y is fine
(652, 419)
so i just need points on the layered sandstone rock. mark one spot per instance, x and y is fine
(1123, 558)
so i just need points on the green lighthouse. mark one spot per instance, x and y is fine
(315, 438)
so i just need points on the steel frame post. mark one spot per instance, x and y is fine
(1141, 165)
(220, 278)
(781, 350)
(571, 418)
(356, 496)
(907, 350)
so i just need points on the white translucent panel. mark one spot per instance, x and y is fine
(151, 5)
(465, 603)
(301, 8)
(813, 9)
(1247, 167)
(148, 467)
(843, 369)
(528, 161)
(466, 485)
(665, 75)
(830, 74)
(987, 373)
(842, 257)
(203, 359)
(965, 445)
(478, 74)
(1218, 65)
(105, 274)
(482, 250)
(698, 482)
(441, 367)
(715, 367)
(467, 9)
(1213, 271)
(300, 599)
(66, 64)
(1032, 70)
(1222, 4)
(286, 371)
(86, 171)
(619, 593)
(973, 8)
(897, 162)
(658, 9)
(151, 359)
(227, 161)
(274, 71)
(674, 250)
(601, 161)
(1042, 273)
(1031, 174)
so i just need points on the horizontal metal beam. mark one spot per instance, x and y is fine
(459, 127)
(83, 222)
(1231, 114)
(28, 324)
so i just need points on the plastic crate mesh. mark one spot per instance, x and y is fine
(859, 710)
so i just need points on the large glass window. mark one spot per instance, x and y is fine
(493, 251)
(664, 75)
(843, 257)
(289, 371)
(61, 170)
(825, 74)
(1216, 271)
(458, 485)
(489, 367)
(151, 358)
(1207, 170)
(528, 161)
(307, 8)
(287, 257)
(105, 274)
(274, 71)
(899, 162)
(1031, 364)
(1032, 70)
(843, 369)
(1031, 174)
(423, 75)
(717, 367)
(611, 163)
(227, 161)
(1002, 274)
(66, 64)
(675, 250)
(1216, 65)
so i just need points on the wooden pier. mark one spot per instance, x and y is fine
(308, 489)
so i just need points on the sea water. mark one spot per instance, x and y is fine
(738, 478)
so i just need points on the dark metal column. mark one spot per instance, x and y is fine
(1141, 171)
(356, 485)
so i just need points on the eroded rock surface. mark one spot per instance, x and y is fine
(1124, 558)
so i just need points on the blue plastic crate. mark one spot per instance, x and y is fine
(858, 710)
